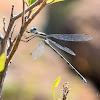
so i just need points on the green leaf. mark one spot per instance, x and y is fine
(51, 1)
(2, 62)
(55, 84)
(48, 3)
(30, 2)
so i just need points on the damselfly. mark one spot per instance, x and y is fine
(65, 37)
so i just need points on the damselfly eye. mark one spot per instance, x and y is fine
(33, 29)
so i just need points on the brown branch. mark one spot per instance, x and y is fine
(4, 28)
(28, 9)
(3, 48)
(4, 41)
(12, 11)
(16, 41)
(33, 16)
(22, 30)
(10, 25)
(11, 46)
(1, 41)
(29, 14)
(12, 31)
(23, 20)
(8, 31)
(11, 41)
(10, 38)
(13, 18)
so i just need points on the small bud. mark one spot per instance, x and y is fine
(7, 57)
(3, 18)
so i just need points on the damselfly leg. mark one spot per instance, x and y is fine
(28, 38)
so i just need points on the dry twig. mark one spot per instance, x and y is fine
(65, 90)
(15, 43)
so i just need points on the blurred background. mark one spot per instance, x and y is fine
(33, 79)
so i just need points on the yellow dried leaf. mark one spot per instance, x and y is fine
(2, 62)
(55, 84)
(51, 1)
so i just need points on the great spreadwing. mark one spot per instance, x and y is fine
(65, 37)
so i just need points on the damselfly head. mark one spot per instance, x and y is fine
(33, 29)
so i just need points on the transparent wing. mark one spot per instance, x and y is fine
(82, 78)
(71, 37)
(63, 48)
(37, 52)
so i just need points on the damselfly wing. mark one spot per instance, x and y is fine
(65, 37)
(37, 52)
(71, 37)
